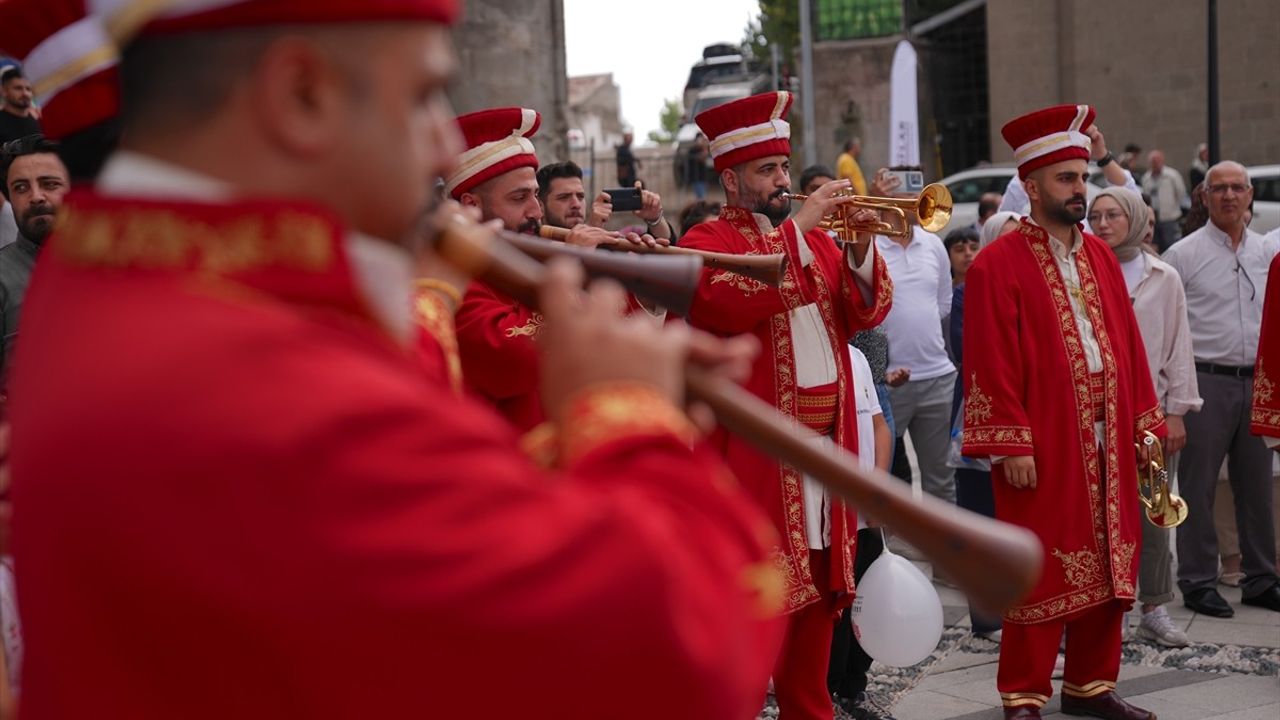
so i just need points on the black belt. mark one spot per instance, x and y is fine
(1239, 371)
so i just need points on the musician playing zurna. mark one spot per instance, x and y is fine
(270, 512)
(804, 326)
(1058, 392)
(496, 333)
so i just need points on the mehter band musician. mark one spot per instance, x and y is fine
(804, 325)
(1058, 391)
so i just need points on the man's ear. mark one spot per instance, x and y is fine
(299, 96)
(1032, 188)
(469, 200)
(729, 181)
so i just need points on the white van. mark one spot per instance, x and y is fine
(1266, 197)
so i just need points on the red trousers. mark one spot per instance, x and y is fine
(800, 675)
(1027, 654)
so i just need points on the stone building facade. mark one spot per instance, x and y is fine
(594, 112)
(1143, 65)
(513, 54)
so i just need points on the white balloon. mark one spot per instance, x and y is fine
(897, 616)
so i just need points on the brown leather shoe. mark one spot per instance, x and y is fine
(1022, 712)
(1108, 706)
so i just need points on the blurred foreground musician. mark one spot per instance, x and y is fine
(827, 295)
(1057, 393)
(270, 512)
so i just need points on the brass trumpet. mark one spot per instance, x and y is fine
(1164, 508)
(931, 208)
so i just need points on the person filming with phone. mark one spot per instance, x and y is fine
(644, 204)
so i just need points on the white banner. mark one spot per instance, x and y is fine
(904, 115)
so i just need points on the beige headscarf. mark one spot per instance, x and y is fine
(991, 228)
(1135, 209)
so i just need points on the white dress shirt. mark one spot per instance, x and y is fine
(383, 272)
(815, 367)
(1161, 310)
(1225, 288)
(1066, 258)
(921, 274)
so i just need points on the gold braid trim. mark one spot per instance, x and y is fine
(601, 414)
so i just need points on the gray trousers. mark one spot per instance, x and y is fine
(1155, 566)
(923, 408)
(1221, 429)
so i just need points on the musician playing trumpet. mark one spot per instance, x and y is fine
(1057, 393)
(804, 326)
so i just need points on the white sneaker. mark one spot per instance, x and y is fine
(1158, 627)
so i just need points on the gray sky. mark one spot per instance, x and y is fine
(648, 46)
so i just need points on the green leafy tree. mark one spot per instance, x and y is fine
(668, 121)
(778, 25)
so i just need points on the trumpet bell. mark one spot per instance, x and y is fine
(1163, 508)
(1168, 514)
(934, 207)
(931, 208)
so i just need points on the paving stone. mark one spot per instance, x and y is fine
(925, 705)
(1234, 631)
(961, 660)
(1230, 693)
(1164, 709)
(958, 677)
(1262, 712)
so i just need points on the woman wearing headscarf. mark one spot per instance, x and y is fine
(997, 225)
(1124, 221)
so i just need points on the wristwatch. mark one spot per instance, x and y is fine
(1106, 159)
(661, 217)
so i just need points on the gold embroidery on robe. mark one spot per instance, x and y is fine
(1081, 567)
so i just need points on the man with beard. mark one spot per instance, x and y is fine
(1057, 394)
(16, 117)
(496, 333)
(564, 201)
(34, 181)
(827, 295)
(1224, 269)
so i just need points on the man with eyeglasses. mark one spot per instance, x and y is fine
(1224, 268)
(34, 180)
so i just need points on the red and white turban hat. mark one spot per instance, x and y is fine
(1049, 136)
(497, 143)
(747, 129)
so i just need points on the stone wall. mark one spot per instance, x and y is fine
(1142, 64)
(513, 54)
(852, 100)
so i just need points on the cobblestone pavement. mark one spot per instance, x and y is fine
(1231, 671)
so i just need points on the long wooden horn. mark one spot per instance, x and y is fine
(994, 563)
(665, 280)
(768, 269)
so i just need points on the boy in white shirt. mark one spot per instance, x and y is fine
(847, 673)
